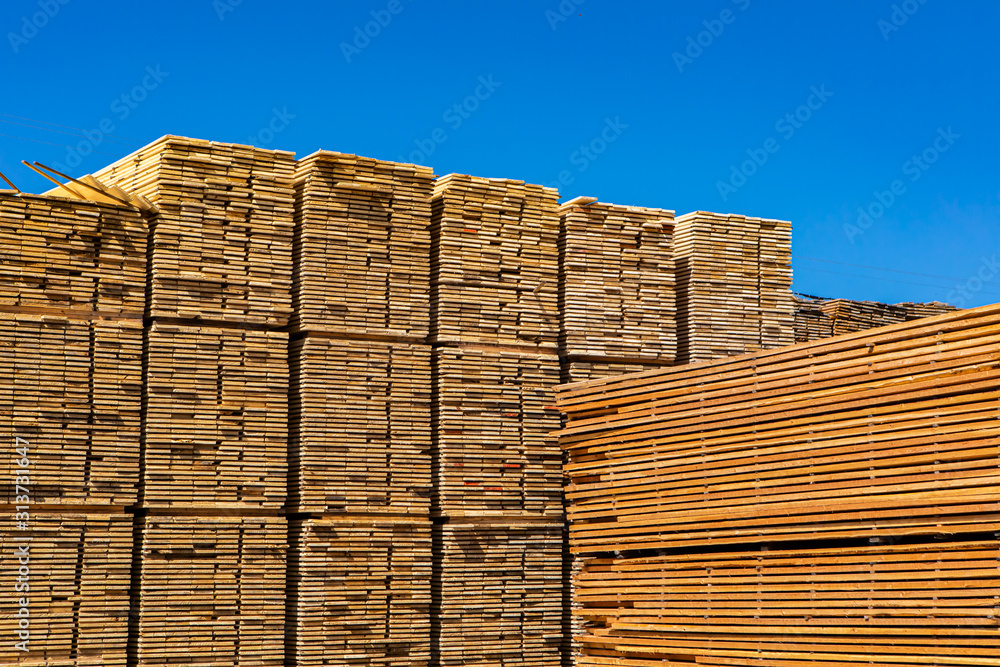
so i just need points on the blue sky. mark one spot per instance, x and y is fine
(808, 111)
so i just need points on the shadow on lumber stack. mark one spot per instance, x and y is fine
(497, 582)
(832, 502)
(211, 536)
(817, 318)
(360, 439)
(71, 301)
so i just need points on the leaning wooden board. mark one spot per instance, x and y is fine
(360, 427)
(499, 594)
(360, 592)
(890, 432)
(71, 390)
(216, 420)
(211, 591)
(74, 574)
(222, 237)
(362, 246)
(902, 605)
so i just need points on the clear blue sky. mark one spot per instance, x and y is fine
(645, 103)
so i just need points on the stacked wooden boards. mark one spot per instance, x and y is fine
(734, 276)
(362, 244)
(61, 255)
(495, 452)
(494, 262)
(360, 407)
(362, 588)
(216, 417)
(73, 569)
(817, 318)
(617, 296)
(72, 286)
(496, 500)
(499, 595)
(740, 495)
(210, 590)
(361, 427)
(222, 239)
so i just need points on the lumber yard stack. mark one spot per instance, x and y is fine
(734, 277)
(497, 504)
(210, 532)
(817, 318)
(359, 589)
(72, 290)
(831, 502)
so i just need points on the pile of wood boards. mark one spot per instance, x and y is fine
(222, 237)
(723, 509)
(73, 569)
(216, 429)
(67, 256)
(71, 301)
(616, 285)
(360, 592)
(734, 276)
(499, 594)
(495, 262)
(362, 246)
(360, 441)
(496, 454)
(817, 318)
(72, 389)
(497, 483)
(212, 590)
(361, 427)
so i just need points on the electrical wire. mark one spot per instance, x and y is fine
(49, 143)
(892, 280)
(66, 127)
(71, 134)
(876, 268)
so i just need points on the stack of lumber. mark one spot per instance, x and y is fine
(581, 371)
(811, 322)
(848, 316)
(222, 239)
(500, 594)
(496, 455)
(874, 605)
(811, 450)
(734, 276)
(792, 444)
(77, 588)
(71, 388)
(211, 590)
(362, 245)
(360, 592)
(216, 417)
(817, 318)
(616, 285)
(494, 262)
(360, 427)
(916, 311)
(66, 256)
